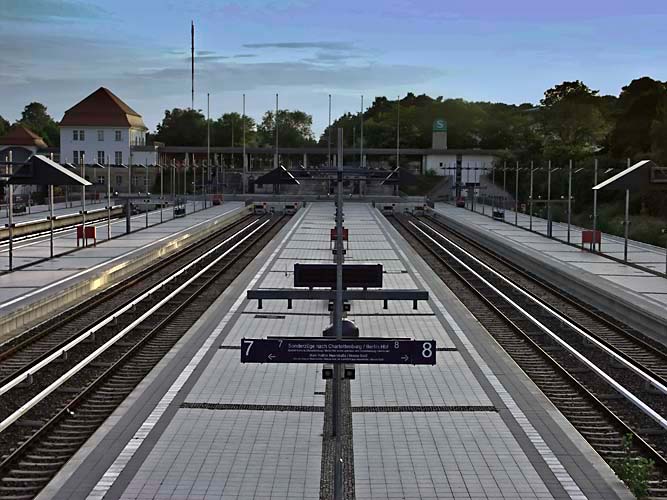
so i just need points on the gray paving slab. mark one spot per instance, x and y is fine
(234, 455)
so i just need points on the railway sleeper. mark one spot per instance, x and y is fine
(28, 474)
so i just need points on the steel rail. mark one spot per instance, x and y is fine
(641, 405)
(115, 289)
(659, 459)
(607, 323)
(120, 363)
(628, 363)
(91, 357)
(91, 331)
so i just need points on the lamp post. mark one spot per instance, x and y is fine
(530, 201)
(595, 199)
(147, 193)
(569, 201)
(549, 228)
(108, 198)
(398, 129)
(10, 171)
(82, 158)
(275, 157)
(516, 196)
(245, 159)
(626, 223)
(361, 143)
(504, 184)
(161, 189)
(208, 146)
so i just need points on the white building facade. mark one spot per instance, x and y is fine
(100, 129)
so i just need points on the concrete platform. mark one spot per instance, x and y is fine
(639, 253)
(203, 425)
(31, 249)
(29, 294)
(634, 296)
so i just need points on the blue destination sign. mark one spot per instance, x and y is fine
(348, 351)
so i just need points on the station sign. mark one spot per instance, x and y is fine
(331, 351)
(324, 275)
(334, 234)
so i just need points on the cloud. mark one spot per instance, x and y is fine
(301, 45)
(242, 56)
(46, 10)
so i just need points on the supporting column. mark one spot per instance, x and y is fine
(305, 160)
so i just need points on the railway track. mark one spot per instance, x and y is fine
(43, 423)
(586, 366)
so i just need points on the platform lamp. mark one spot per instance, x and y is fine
(82, 159)
(10, 208)
(108, 198)
(516, 196)
(161, 187)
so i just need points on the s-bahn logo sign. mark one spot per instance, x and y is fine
(439, 125)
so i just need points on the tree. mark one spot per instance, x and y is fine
(36, 118)
(659, 133)
(638, 107)
(184, 127)
(230, 126)
(4, 126)
(294, 129)
(571, 120)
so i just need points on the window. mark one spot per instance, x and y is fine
(100, 157)
(82, 135)
(118, 158)
(100, 135)
(119, 180)
(75, 135)
(119, 136)
(78, 157)
(101, 179)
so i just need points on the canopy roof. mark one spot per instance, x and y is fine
(278, 175)
(39, 170)
(630, 178)
(399, 176)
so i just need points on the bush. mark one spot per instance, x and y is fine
(633, 471)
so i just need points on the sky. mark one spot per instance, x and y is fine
(59, 51)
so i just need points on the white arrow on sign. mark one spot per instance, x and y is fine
(272, 357)
(405, 357)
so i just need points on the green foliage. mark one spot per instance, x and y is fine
(572, 123)
(228, 130)
(35, 117)
(639, 106)
(633, 471)
(294, 129)
(4, 126)
(184, 127)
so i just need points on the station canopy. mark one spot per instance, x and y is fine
(643, 175)
(399, 176)
(40, 170)
(278, 175)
